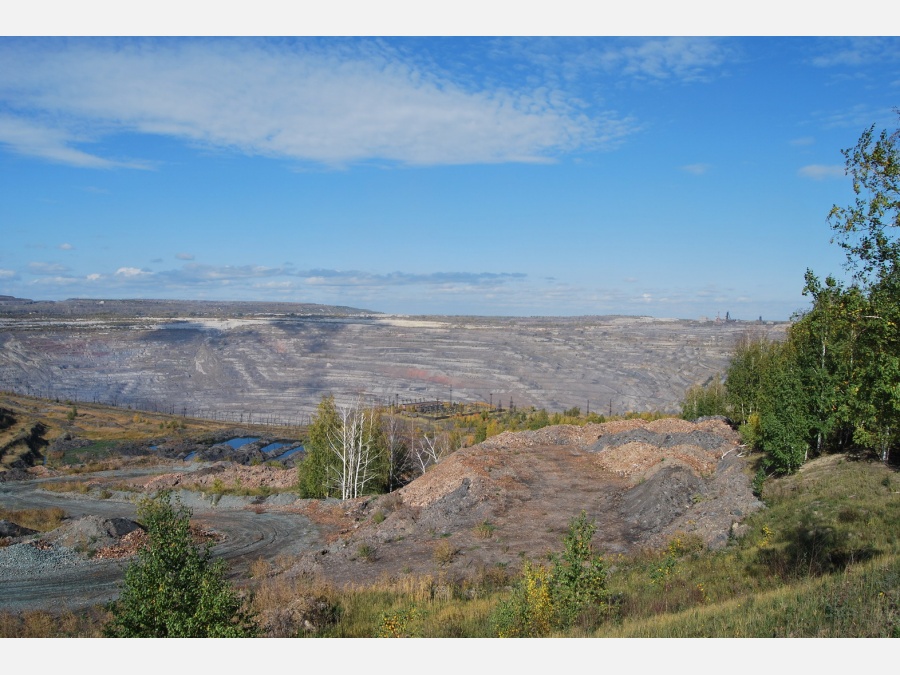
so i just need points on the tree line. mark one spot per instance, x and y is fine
(834, 383)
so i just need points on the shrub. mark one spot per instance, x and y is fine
(366, 552)
(444, 552)
(485, 529)
(174, 589)
(529, 611)
(557, 596)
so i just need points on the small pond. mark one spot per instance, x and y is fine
(240, 442)
(289, 453)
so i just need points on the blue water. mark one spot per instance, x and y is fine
(240, 442)
(188, 457)
(289, 453)
(272, 447)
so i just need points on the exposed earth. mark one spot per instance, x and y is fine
(246, 362)
(486, 505)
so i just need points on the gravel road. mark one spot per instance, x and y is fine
(57, 579)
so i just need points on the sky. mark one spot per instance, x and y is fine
(666, 176)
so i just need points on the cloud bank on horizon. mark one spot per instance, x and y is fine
(662, 176)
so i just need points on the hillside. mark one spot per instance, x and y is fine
(223, 363)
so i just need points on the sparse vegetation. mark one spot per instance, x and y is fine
(42, 520)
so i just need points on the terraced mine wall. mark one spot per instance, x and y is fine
(276, 368)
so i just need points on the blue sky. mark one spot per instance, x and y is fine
(663, 176)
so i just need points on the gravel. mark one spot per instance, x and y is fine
(26, 560)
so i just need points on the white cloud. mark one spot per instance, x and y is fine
(50, 142)
(130, 272)
(94, 277)
(8, 274)
(66, 247)
(330, 107)
(822, 171)
(696, 169)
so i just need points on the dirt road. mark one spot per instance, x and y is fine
(248, 536)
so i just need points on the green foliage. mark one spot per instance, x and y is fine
(398, 624)
(556, 597)
(318, 475)
(704, 400)
(864, 229)
(528, 612)
(175, 589)
(578, 577)
(743, 381)
(312, 472)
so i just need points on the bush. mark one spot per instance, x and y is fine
(556, 597)
(175, 589)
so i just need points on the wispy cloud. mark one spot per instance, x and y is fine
(8, 275)
(822, 171)
(66, 247)
(858, 51)
(680, 58)
(329, 106)
(184, 256)
(803, 141)
(696, 169)
(51, 142)
(45, 268)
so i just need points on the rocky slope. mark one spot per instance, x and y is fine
(268, 367)
(514, 495)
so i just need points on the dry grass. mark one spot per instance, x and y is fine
(78, 486)
(42, 520)
(444, 552)
(40, 624)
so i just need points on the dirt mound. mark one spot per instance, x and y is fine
(513, 496)
(90, 534)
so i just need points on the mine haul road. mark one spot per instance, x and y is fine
(248, 536)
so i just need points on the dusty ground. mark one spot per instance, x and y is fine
(515, 494)
(488, 505)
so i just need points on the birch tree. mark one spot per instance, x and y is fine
(354, 444)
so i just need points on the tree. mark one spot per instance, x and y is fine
(346, 455)
(312, 472)
(356, 446)
(174, 588)
(869, 232)
(704, 400)
(743, 381)
(867, 229)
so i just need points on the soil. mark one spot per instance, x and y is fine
(514, 495)
(494, 504)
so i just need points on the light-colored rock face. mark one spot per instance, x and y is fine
(281, 367)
